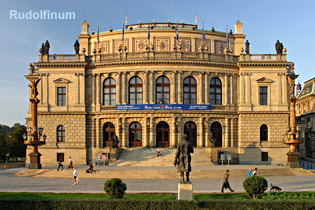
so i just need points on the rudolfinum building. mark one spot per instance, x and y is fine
(151, 83)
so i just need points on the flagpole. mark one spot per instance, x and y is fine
(98, 36)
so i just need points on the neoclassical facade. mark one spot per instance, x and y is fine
(149, 87)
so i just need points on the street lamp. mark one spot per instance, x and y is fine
(292, 133)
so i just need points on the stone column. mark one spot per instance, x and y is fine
(124, 141)
(248, 91)
(82, 88)
(123, 88)
(226, 89)
(200, 137)
(98, 131)
(41, 88)
(242, 89)
(98, 92)
(151, 88)
(206, 124)
(284, 89)
(232, 132)
(118, 89)
(145, 88)
(173, 88)
(200, 90)
(93, 92)
(47, 90)
(173, 132)
(179, 87)
(207, 93)
(77, 93)
(231, 89)
(152, 143)
(226, 133)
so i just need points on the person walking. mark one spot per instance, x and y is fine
(75, 176)
(70, 164)
(60, 165)
(226, 182)
(249, 173)
(254, 172)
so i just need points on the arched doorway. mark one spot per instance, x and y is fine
(135, 135)
(162, 135)
(190, 129)
(216, 130)
(109, 131)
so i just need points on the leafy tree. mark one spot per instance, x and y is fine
(16, 142)
(5, 130)
(3, 147)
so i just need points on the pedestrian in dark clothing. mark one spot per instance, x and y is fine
(226, 182)
(60, 165)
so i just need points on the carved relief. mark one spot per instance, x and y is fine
(219, 47)
(140, 45)
(162, 44)
(185, 43)
(121, 44)
(204, 43)
(104, 47)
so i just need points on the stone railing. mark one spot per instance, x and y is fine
(152, 55)
(262, 57)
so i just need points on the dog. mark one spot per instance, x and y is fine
(275, 188)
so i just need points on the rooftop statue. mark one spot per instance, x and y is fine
(42, 49)
(247, 47)
(279, 47)
(76, 47)
(47, 46)
(182, 158)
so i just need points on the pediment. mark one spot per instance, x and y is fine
(61, 81)
(264, 80)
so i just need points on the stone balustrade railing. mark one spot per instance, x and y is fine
(175, 55)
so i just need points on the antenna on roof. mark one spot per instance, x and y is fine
(126, 16)
(196, 15)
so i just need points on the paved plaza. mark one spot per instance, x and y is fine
(96, 185)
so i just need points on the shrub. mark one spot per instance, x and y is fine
(115, 188)
(255, 185)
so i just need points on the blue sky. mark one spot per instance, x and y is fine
(290, 21)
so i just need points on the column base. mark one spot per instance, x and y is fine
(293, 159)
(35, 161)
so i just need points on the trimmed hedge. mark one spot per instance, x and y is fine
(151, 205)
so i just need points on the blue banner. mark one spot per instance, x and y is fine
(163, 107)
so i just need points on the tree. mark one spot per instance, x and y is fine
(3, 147)
(255, 185)
(17, 148)
(115, 188)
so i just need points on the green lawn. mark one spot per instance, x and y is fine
(290, 196)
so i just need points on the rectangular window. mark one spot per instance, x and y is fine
(61, 96)
(60, 156)
(264, 156)
(263, 95)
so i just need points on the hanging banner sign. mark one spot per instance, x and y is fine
(163, 107)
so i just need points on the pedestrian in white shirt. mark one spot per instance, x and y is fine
(75, 176)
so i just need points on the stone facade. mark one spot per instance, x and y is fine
(79, 94)
(305, 112)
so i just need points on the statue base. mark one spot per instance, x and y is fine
(293, 160)
(185, 191)
(35, 161)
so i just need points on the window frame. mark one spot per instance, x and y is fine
(216, 93)
(112, 96)
(263, 96)
(61, 133)
(163, 84)
(263, 133)
(190, 85)
(63, 95)
(136, 93)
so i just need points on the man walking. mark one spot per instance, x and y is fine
(226, 182)
(60, 165)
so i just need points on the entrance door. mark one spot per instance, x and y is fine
(109, 131)
(162, 135)
(190, 129)
(135, 135)
(216, 130)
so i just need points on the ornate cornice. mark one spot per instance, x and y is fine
(264, 64)
(61, 64)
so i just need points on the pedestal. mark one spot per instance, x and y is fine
(293, 159)
(185, 191)
(35, 160)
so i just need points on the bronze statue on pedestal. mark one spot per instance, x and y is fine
(182, 158)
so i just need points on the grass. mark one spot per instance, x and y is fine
(269, 196)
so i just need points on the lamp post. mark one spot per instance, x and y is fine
(292, 133)
(34, 134)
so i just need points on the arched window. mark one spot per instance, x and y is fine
(61, 135)
(109, 132)
(109, 91)
(162, 90)
(216, 132)
(190, 129)
(263, 133)
(215, 91)
(135, 135)
(190, 90)
(162, 134)
(135, 90)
